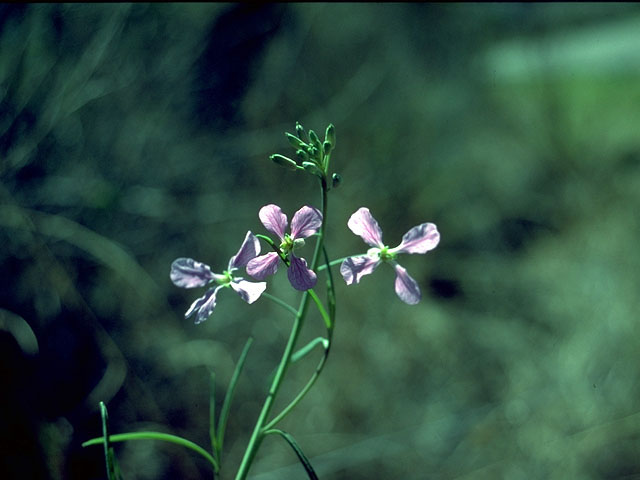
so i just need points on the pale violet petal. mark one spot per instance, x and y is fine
(188, 273)
(406, 287)
(273, 220)
(354, 268)
(300, 276)
(364, 225)
(263, 266)
(248, 291)
(203, 306)
(306, 222)
(249, 249)
(419, 239)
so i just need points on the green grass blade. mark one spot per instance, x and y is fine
(212, 417)
(109, 455)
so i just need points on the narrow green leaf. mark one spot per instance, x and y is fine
(228, 397)
(296, 448)
(165, 437)
(323, 312)
(308, 348)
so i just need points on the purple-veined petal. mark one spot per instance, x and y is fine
(354, 268)
(419, 239)
(364, 225)
(203, 306)
(273, 220)
(248, 291)
(406, 287)
(263, 266)
(300, 276)
(249, 249)
(188, 273)
(305, 222)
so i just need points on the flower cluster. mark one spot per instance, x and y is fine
(189, 273)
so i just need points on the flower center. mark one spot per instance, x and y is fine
(289, 244)
(225, 279)
(381, 253)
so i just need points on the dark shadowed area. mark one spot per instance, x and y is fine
(134, 134)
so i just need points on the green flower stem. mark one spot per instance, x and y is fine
(282, 303)
(338, 261)
(165, 437)
(259, 430)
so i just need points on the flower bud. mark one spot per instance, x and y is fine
(300, 132)
(312, 168)
(336, 180)
(295, 141)
(302, 155)
(330, 135)
(284, 161)
(315, 141)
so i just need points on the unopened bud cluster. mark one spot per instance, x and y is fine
(312, 154)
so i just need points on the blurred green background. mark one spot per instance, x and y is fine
(131, 135)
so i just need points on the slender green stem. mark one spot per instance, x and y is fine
(258, 431)
(123, 437)
(282, 303)
(339, 260)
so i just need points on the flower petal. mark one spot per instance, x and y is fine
(248, 291)
(354, 268)
(306, 222)
(364, 225)
(188, 273)
(406, 287)
(203, 306)
(419, 239)
(263, 266)
(273, 219)
(300, 276)
(249, 249)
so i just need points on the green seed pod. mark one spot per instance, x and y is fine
(295, 141)
(330, 135)
(284, 161)
(312, 168)
(336, 180)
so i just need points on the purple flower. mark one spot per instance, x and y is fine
(188, 273)
(419, 239)
(305, 223)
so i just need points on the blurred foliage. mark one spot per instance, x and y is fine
(133, 134)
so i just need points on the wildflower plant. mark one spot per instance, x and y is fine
(308, 224)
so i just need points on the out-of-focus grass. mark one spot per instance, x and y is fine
(134, 134)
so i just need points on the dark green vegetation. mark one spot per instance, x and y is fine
(131, 135)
